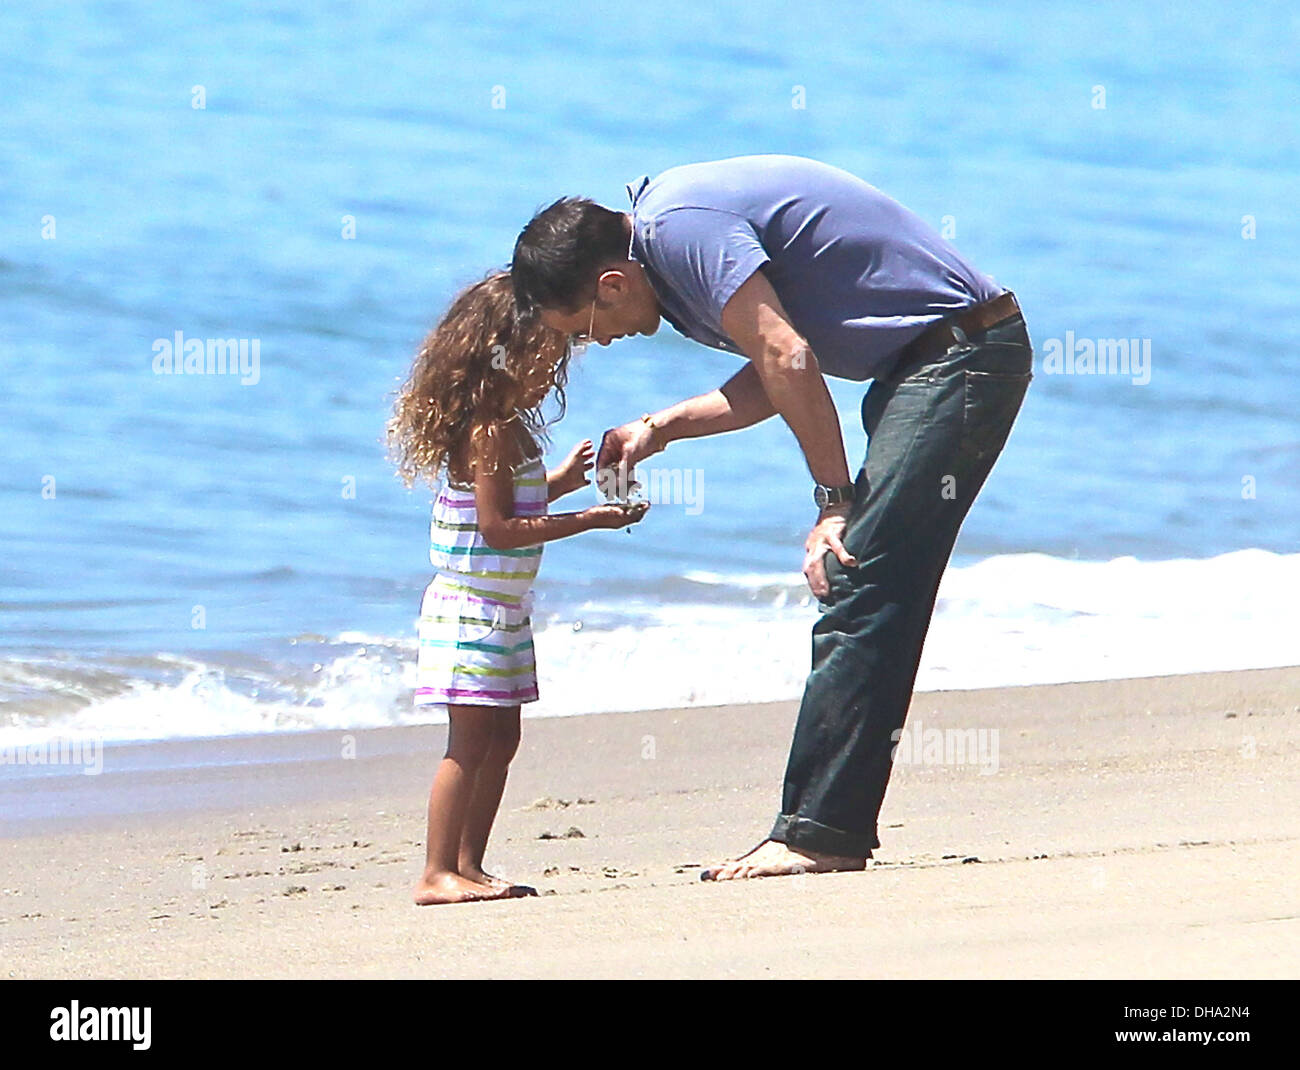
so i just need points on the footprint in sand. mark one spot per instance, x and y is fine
(574, 833)
(309, 867)
(548, 803)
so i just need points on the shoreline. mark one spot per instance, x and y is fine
(1136, 827)
(543, 713)
(1004, 621)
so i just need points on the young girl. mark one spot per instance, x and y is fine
(471, 410)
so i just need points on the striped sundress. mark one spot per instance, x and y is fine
(476, 638)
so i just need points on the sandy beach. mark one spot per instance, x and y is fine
(1133, 828)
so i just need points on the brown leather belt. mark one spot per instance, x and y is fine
(939, 337)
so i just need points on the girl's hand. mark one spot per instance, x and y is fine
(616, 516)
(571, 473)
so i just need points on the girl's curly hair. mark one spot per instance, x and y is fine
(479, 369)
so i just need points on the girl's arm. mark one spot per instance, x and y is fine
(494, 497)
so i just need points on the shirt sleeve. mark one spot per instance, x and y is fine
(705, 255)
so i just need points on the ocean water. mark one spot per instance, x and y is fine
(187, 556)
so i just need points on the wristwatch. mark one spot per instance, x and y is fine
(825, 496)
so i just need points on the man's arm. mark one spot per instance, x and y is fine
(793, 382)
(740, 402)
(783, 376)
(790, 375)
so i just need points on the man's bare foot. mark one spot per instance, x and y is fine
(453, 888)
(771, 859)
(476, 874)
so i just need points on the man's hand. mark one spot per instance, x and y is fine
(620, 450)
(825, 537)
(571, 473)
(627, 445)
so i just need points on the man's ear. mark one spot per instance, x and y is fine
(613, 282)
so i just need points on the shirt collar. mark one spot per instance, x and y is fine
(634, 191)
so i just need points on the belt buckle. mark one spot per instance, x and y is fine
(960, 341)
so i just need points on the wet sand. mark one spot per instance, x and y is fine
(1131, 828)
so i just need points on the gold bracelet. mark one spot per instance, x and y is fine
(649, 422)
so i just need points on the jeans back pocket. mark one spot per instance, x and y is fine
(992, 402)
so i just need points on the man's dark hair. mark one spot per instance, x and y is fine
(561, 251)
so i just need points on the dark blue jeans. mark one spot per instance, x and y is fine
(934, 430)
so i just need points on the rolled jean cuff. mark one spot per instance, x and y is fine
(808, 835)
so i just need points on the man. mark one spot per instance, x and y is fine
(807, 271)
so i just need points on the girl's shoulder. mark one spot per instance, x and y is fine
(528, 450)
(519, 450)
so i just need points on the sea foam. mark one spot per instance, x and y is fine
(1008, 620)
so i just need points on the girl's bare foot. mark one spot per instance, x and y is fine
(453, 888)
(476, 874)
(772, 859)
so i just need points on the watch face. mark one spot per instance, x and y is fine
(820, 497)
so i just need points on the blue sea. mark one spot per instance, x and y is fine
(193, 556)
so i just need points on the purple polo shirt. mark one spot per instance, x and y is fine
(859, 275)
